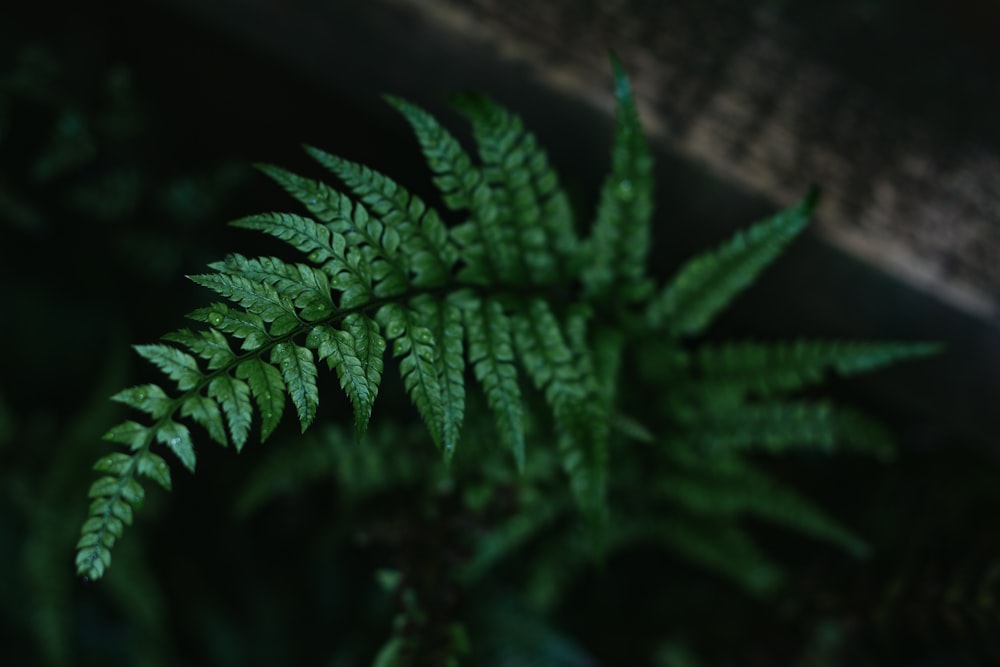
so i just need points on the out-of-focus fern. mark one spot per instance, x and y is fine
(546, 321)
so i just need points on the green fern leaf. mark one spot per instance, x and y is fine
(205, 412)
(332, 452)
(233, 396)
(444, 319)
(549, 361)
(356, 353)
(107, 518)
(130, 433)
(299, 372)
(535, 208)
(620, 239)
(180, 367)
(259, 298)
(209, 344)
(304, 234)
(268, 391)
(155, 468)
(725, 486)
(413, 344)
(423, 238)
(491, 353)
(454, 174)
(240, 324)
(378, 243)
(308, 288)
(178, 438)
(149, 398)
(768, 368)
(486, 249)
(781, 425)
(320, 199)
(116, 463)
(706, 284)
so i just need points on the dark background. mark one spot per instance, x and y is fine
(127, 135)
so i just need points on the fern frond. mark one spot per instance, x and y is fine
(620, 238)
(206, 413)
(444, 319)
(765, 369)
(149, 398)
(321, 200)
(299, 373)
(178, 366)
(233, 397)
(486, 247)
(423, 238)
(582, 438)
(414, 344)
(380, 265)
(707, 283)
(177, 438)
(116, 495)
(727, 486)
(356, 354)
(778, 426)
(534, 207)
(491, 354)
(238, 323)
(308, 288)
(209, 344)
(268, 390)
(304, 234)
(330, 452)
(349, 239)
(259, 298)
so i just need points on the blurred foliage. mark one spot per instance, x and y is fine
(85, 174)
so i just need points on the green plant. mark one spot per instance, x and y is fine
(551, 320)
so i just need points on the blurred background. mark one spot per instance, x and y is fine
(128, 132)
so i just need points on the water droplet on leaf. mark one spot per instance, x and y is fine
(215, 319)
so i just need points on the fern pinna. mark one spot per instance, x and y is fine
(514, 297)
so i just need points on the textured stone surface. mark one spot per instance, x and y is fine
(907, 185)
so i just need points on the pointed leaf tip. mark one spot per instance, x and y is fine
(623, 87)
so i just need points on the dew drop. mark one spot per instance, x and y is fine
(139, 395)
(313, 202)
(314, 256)
(215, 319)
(175, 442)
